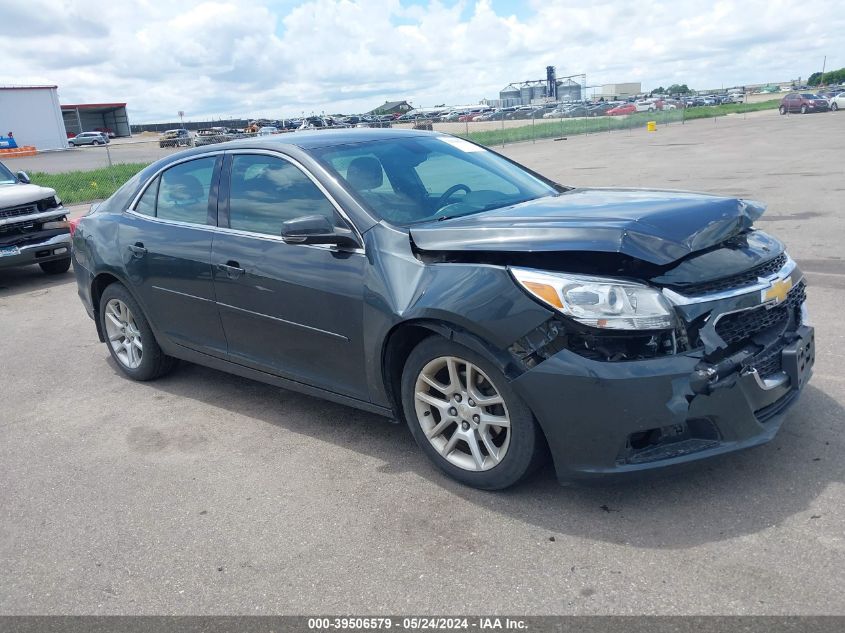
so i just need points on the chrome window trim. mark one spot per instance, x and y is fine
(340, 211)
(763, 283)
(221, 229)
(278, 238)
(190, 225)
(133, 205)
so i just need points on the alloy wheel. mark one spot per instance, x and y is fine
(462, 413)
(123, 334)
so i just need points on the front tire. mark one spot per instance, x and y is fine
(56, 267)
(834, 106)
(130, 339)
(803, 109)
(466, 418)
(95, 143)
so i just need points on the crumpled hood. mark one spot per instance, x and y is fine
(656, 226)
(17, 194)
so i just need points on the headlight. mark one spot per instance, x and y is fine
(599, 302)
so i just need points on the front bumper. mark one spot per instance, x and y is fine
(36, 250)
(602, 418)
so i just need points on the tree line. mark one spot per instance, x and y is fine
(828, 78)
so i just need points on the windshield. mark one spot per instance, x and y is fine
(6, 177)
(410, 180)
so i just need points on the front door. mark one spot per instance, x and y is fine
(165, 243)
(289, 309)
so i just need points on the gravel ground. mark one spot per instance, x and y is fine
(207, 493)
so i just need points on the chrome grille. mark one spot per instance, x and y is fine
(13, 212)
(740, 326)
(745, 278)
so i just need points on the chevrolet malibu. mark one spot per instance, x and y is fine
(422, 277)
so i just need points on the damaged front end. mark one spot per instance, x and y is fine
(677, 331)
(720, 379)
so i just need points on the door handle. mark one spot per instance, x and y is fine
(138, 249)
(232, 269)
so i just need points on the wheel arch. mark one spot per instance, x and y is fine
(406, 335)
(99, 284)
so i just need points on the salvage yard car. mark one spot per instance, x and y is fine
(803, 102)
(417, 275)
(33, 225)
(176, 138)
(88, 138)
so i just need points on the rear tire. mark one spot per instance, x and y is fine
(56, 267)
(782, 110)
(460, 435)
(130, 339)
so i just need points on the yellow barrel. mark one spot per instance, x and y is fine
(651, 126)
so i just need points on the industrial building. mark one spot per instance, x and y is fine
(89, 117)
(33, 115)
(539, 91)
(612, 92)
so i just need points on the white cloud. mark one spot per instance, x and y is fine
(226, 58)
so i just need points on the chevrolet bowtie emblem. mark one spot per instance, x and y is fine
(777, 293)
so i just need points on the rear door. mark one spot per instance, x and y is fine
(293, 310)
(166, 243)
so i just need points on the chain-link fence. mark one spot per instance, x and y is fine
(85, 173)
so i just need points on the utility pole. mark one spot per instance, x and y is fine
(824, 63)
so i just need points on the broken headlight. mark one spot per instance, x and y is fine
(599, 302)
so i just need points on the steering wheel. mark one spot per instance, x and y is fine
(441, 201)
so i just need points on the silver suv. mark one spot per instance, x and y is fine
(33, 225)
(88, 138)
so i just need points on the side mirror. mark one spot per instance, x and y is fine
(23, 177)
(316, 229)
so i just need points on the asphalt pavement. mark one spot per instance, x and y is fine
(207, 493)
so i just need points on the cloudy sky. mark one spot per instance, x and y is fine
(280, 58)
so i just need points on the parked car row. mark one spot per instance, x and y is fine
(803, 102)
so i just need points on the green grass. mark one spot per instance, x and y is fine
(555, 128)
(75, 187)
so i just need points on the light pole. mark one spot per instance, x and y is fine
(181, 118)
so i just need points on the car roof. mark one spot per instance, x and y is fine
(306, 140)
(327, 138)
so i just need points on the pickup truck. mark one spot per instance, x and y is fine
(33, 225)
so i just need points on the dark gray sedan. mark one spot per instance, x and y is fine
(425, 278)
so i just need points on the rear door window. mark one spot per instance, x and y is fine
(183, 191)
